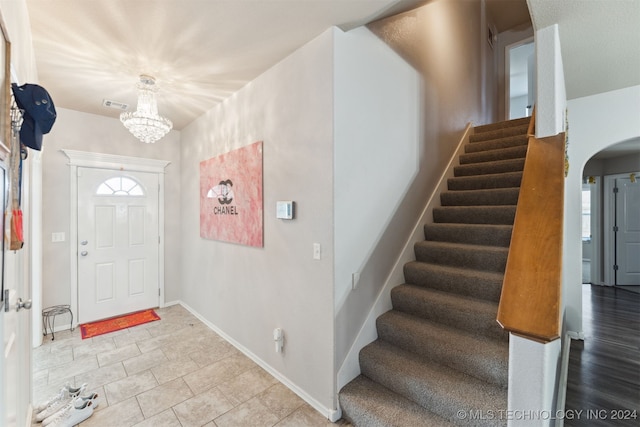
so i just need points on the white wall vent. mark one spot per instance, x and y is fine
(114, 104)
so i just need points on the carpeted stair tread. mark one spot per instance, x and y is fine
(507, 124)
(368, 404)
(477, 257)
(517, 152)
(474, 234)
(457, 311)
(486, 197)
(437, 388)
(473, 283)
(447, 346)
(498, 133)
(502, 214)
(483, 182)
(484, 168)
(495, 144)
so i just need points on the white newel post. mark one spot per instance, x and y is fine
(533, 367)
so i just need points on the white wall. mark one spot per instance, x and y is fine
(245, 292)
(377, 157)
(88, 132)
(551, 94)
(595, 122)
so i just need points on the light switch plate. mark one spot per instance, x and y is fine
(58, 237)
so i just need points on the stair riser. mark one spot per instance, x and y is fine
(518, 152)
(491, 367)
(475, 214)
(460, 316)
(493, 197)
(473, 235)
(496, 144)
(485, 182)
(499, 133)
(521, 125)
(486, 168)
(477, 257)
(487, 288)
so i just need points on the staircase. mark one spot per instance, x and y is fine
(440, 357)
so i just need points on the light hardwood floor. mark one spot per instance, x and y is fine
(172, 372)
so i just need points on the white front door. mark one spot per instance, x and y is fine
(627, 236)
(118, 243)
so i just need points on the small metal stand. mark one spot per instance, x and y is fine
(49, 318)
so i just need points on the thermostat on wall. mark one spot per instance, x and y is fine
(284, 209)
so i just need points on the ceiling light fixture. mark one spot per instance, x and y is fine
(145, 123)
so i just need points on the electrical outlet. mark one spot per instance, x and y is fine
(316, 251)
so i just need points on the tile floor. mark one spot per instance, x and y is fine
(172, 372)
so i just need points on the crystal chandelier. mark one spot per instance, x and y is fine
(145, 123)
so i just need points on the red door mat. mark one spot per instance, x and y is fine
(113, 324)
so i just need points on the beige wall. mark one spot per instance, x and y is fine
(87, 132)
(245, 292)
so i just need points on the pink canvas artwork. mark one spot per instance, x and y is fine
(231, 196)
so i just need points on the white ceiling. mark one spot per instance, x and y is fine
(600, 42)
(199, 51)
(202, 51)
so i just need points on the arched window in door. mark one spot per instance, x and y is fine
(120, 186)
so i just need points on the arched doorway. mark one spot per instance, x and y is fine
(610, 220)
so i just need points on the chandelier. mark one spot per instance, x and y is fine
(145, 123)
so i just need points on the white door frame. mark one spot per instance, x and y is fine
(507, 72)
(115, 162)
(609, 221)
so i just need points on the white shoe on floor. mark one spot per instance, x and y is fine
(53, 405)
(78, 401)
(65, 392)
(73, 414)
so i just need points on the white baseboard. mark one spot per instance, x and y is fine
(29, 419)
(562, 381)
(332, 414)
(170, 303)
(576, 335)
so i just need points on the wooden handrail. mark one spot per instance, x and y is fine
(532, 288)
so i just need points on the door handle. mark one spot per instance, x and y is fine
(84, 253)
(23, 304)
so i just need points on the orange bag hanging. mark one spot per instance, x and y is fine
(17, 236)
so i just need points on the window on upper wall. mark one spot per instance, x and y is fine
(120, 186)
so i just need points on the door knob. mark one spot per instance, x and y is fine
(84, 242)
(23, 304)
(84, 253)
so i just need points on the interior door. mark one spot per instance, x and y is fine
(118, 243)
(627, 236)
(15, 332)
